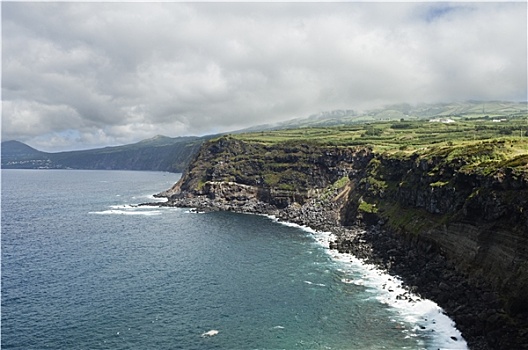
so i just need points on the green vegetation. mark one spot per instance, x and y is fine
(340, 183)
(407, 135)
(439, 184)
(331, 190)
(406, 154)
(488, 110)
(408, 219)
(481, 144)
(367, 207)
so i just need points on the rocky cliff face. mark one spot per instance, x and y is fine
(454, 229)
(479, 221)
(232, 170)
(472, 227)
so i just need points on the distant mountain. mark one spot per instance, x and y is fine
(160, 153)
(469, 109)
(18, 150)
(18, 155)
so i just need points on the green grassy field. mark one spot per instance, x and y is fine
(482, 142)
(398, 135)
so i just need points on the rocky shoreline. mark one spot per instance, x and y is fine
(452, 227)
(476, 309)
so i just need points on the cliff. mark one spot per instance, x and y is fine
(277, 176)
(469, 210)
(452, 221)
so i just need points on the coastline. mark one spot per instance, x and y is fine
(425, 314)
(451, 224)
(372, 246)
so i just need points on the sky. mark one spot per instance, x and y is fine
(86, 75)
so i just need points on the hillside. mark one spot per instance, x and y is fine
(19, 155)
(160, 153)
(457, 110)
(17, 150)
(446, 205)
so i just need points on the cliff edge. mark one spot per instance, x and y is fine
(451, 221)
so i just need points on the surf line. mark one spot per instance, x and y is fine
(425, 315)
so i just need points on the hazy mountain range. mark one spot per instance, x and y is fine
(159, 153)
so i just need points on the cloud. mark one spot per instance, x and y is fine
(81, 75)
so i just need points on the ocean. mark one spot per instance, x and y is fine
(83, 267)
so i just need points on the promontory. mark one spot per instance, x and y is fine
(442, 205)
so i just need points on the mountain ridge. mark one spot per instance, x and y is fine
(160, 153)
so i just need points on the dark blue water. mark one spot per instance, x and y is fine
(82, 268)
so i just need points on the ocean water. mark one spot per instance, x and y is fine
(84, 268)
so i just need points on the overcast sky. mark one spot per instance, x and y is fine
(86, 75)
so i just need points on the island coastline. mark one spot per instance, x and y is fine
(371, 246)
(425, 231)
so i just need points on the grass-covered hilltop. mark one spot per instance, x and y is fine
(444, 201)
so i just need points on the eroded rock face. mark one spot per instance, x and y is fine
(283, 175)
(477, 222)
(456, 236)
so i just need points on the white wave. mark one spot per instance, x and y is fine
(210, 333)
(291, 224)
(123, 206)
(151, 198)
(126, 212)
(424, 314)
(133, 209)
(194, 211)
(315, 284)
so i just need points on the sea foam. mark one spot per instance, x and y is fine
(127, 209)
(424, 316)
(210, 333)
(125, 212)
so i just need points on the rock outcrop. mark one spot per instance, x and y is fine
(229, 172)
(455, 229)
